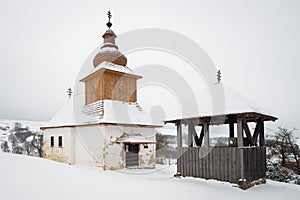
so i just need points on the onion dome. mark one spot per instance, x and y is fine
(109, 50)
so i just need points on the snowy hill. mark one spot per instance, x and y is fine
(7, 125)
(33, 125)
(33, 178)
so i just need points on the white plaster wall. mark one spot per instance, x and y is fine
(89, 145)
(115, 152)
(97, 146)
(61, 154)
(114, 156)
(147, 156)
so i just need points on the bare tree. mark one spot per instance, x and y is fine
(27, 147)
(285, 147)
(161, 141)
(164, 151)
(5, 147)
(37, 143)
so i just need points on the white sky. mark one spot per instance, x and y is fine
(255, 43)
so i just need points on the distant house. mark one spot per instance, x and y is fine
(103, 125)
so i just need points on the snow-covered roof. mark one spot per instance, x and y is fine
(110, 66)
(110, 49)
(76, 113)
(64, 117)
(235, 102)
(103, 111)
(136, 138)
(224, 100)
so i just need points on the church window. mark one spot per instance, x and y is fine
(52, 141)
(59, 141)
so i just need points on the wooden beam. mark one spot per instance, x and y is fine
(231, 130)
(201, 136)
(179, 134)
(206, 134)
(257, 131)
(190, 135)
(240, 132)
(196, 139)
(248, 133)
(262, 135)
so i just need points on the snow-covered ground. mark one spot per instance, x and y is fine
(33, 178)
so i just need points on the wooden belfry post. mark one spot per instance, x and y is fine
(240, 134)
(190, 133)
(179, 134)
(262, 134)
(231, 130)
(206, 134)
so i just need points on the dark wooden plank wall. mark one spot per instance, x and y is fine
(222, 163)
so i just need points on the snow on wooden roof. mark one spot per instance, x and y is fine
(221, 99)
(64, 117)
(100, 112)
(109, 66)
(228, 102)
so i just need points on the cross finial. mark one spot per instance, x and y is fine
(219, 76)
(69, 92)
(109, 24)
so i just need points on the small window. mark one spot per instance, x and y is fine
(59, 141)
(52, 141)
(145, 146)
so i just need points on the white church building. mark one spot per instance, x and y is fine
(102, 124)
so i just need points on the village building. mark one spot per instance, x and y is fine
(104, 126)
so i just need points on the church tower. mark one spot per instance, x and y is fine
(110, 79)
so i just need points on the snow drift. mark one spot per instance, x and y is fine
(33, 178)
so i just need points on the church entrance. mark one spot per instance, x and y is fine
(132, 155)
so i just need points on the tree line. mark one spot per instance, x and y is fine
(22, 140)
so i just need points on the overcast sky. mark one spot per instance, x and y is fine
(255, 43)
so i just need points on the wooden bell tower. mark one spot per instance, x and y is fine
(110, 79)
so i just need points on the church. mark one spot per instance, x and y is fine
(102, 124)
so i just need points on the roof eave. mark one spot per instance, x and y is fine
(102, 124)
(248, 116)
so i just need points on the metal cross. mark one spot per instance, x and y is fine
(219, 76)
(109, 24)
